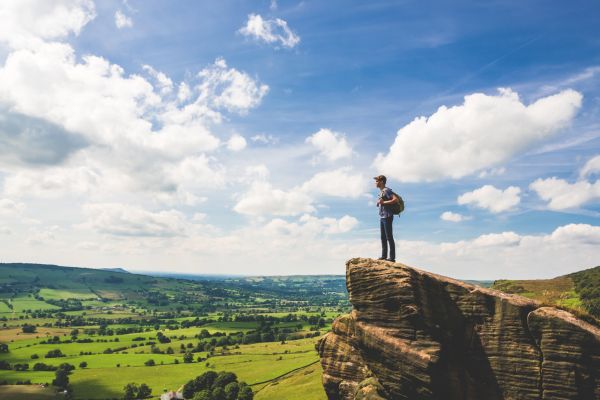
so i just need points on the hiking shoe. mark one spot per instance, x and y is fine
(390, 259)
(382, 258)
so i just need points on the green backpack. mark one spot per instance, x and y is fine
(398, 206)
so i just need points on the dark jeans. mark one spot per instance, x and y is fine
(387, 235)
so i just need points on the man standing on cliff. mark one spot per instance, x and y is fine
(386, 218)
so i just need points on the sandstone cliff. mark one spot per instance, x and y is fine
(416, 335)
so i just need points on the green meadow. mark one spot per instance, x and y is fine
(116, 328)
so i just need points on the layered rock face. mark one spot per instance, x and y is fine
(416, 335)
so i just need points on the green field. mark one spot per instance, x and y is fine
(55, 294)
(263, 329)
(20, 304)
(302, 384)
(256, 364)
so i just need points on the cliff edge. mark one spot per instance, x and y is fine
(416, 335)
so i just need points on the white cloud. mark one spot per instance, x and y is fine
(562, 195)
(481, 133)
(125, 220)
(10, 207)
(331, 145)
(52, 182)
(567, 249)
(236, 143)
(42, 236)
(230, 89)
(253, 173)
(164, 83)
(199, 170)
(452, 217)
(311, 226)
(497, 239)
(492, 172)
(270, 31)
(265, 139)
(122, 20)
(490, 198)
(307, 247)
(341, 182)
(262, 198)
(592, 166)
(24, 23)
(89, 115)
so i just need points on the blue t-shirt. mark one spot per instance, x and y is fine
(386, 194)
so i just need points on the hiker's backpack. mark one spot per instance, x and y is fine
(398, 206)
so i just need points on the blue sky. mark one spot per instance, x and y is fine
(242, 137)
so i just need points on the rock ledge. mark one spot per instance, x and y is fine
(417, 335)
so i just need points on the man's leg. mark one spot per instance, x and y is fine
(389, 233)
(384, 246)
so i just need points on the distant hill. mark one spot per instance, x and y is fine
(75, 288)
(579, 291)
(115, 270)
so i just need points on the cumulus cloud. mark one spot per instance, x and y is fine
(342, 182)
(43, 236)
(163, 82)
(567, 249)
(262, 198)
(592, 166)
(273, 31)
(562, 195)
(230, 89)
(452, 217)
(331, 145)
(490, 198)
(24, 23)
(481, 133)
(84, 114)
(311, 226)
(51, 182)
(197, 171)
(236, 143)
(33, 141)
(122, 20)
(10, 207)
(126, 220)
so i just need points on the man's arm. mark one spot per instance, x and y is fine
(388, 202)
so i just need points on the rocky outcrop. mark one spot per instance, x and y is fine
(416, 335)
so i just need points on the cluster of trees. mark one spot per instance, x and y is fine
(217, 386)
(157, 298)
(133, 391)
(61, 379)
(587, 285)
(54, 354)
(28, 328)
(66, 305)
(162, 338)
(40, 366)
(312, 319)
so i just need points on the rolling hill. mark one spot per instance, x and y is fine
(579, 291)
